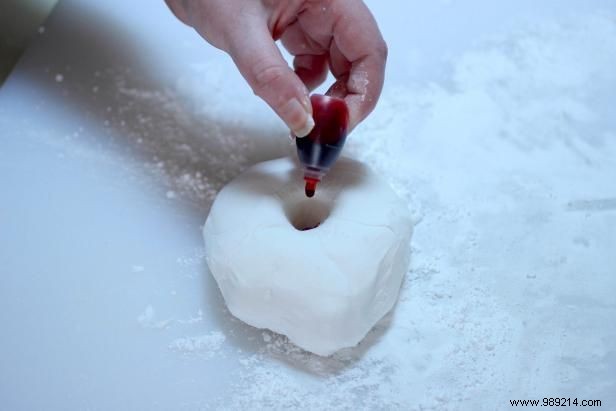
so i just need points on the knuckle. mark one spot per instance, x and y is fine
(382, 50)
(266, 75)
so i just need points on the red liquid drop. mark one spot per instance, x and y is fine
(320, 149)
(311, 186)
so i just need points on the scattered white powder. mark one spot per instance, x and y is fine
(147, 319)
(192, 320)
(196, 257)
(459, 337)
(192, 170)
(491, 162)
(360, 83)
(205, 346)
(192, 264)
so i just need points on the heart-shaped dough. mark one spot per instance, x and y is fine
(323, 270)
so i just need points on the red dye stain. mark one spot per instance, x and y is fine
(309, 228)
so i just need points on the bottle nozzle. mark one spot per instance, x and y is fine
(311, 186)
(312, 177)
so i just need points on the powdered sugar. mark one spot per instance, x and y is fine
(505, 157)
(205, 346)
(472, 161)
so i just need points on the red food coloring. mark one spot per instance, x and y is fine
(331, 119)
(311, 186)
(321, 148)
(310, 227)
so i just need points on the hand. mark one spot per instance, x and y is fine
(339, 35)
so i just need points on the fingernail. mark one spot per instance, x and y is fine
(298, 119)
(304, 131)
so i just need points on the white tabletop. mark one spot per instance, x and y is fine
(119, 125)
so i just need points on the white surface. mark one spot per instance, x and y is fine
(496, 126)
(321, 271)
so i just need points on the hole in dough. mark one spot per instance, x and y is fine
(306, 214)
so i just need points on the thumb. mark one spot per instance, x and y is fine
(270, 77)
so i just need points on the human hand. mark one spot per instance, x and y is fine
(339, 35)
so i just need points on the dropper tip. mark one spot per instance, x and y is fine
(311, 186)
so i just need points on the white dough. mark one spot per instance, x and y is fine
(326, 287)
